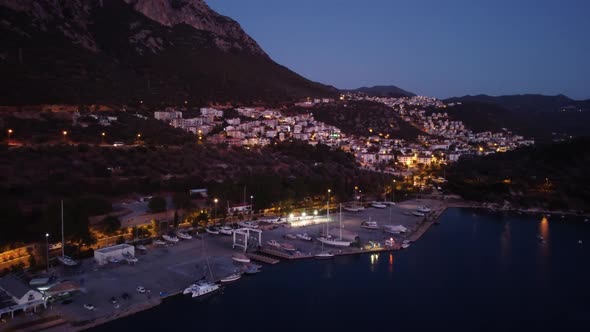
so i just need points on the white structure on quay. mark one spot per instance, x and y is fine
(101, 256)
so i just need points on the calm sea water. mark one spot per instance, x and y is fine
(475, 272)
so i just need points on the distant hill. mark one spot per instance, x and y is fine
(544, 118)
(549, 176)
(121, 51)
(528, 102)
(383, 91)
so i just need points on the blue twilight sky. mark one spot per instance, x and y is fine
(440, 48)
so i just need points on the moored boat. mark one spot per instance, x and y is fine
(394, 229)
(324, 255)
(212, 230)
(287, 247)
(290, 236)
(170, 238)
(159, 243)
(226, 230)
(405, 245)
(240, 258)
(418, 214)
(304, 237)
(273, 243)
(328, 240)
(141, 247)
(183, 235)
(248, 224)
(378, 205)
(369, 224)
(67, 261)
(231, 277)
(423, 209)
(350, 208)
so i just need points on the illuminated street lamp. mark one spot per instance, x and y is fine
(64, 133)
(47, 249)
(252, 204)
(328, 205)
(215, 211)
(9, 131)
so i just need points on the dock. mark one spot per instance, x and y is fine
(262, 258)
(283, 255)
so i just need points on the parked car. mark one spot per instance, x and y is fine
(89, 306)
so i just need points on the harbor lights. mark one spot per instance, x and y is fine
(215, 211)
(315, 213)
(47, 249)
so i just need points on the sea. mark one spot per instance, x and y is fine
(476, 271)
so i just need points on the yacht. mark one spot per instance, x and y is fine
(226, 230)
(330, 241)
(394, 229)
(248, 224)
(324, 255)
(423, 209)
(378, 205)
(201, 288)
(369, 224)
(304, 237)
(231, 277)
(274, 244)
(170, 238)
(212, 230)
(183, 235)
(240, 258)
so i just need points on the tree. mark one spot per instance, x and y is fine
(175, 219)
(111, 224)
(157, 204)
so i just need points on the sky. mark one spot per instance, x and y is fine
(439, 48)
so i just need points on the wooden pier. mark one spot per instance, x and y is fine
(281, 254)
(262, 258)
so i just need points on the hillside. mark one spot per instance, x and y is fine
(124, 51)
(357, 117)
(529, 102)
(551, 176)
(383, 91)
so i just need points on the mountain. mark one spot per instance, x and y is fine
(123, 51)
(383, 91)
(544, 118)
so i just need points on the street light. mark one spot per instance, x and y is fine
(393, 192)
(252, 204)
(9, 133)
(47, 249)
(215, 211)
(328, 206)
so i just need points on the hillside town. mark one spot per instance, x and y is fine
(444, 140)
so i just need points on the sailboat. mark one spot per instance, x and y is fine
(65, 260)
(329, 240)
(202, 287)
(393, 229)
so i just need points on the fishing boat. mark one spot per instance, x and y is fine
(183, 235)
(324, 255)
(170, 238)
(226, 230)
(274, 244)
(369, 224)
(287, 247)
(63, 259)
(394, 229)
(248, 224)
(240, 258)
(231, 277)
(418, 214)
(290, 236)
(378, 205)
(304, 237)
(212, 230)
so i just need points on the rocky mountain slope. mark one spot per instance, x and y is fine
(124, 51)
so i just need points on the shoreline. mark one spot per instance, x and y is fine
(415, 233)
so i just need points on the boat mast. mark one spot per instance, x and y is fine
(63, 243)
(340, 221)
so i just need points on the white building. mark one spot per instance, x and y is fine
(167, 115)
(17, 295)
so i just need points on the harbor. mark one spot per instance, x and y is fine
(166, 270)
